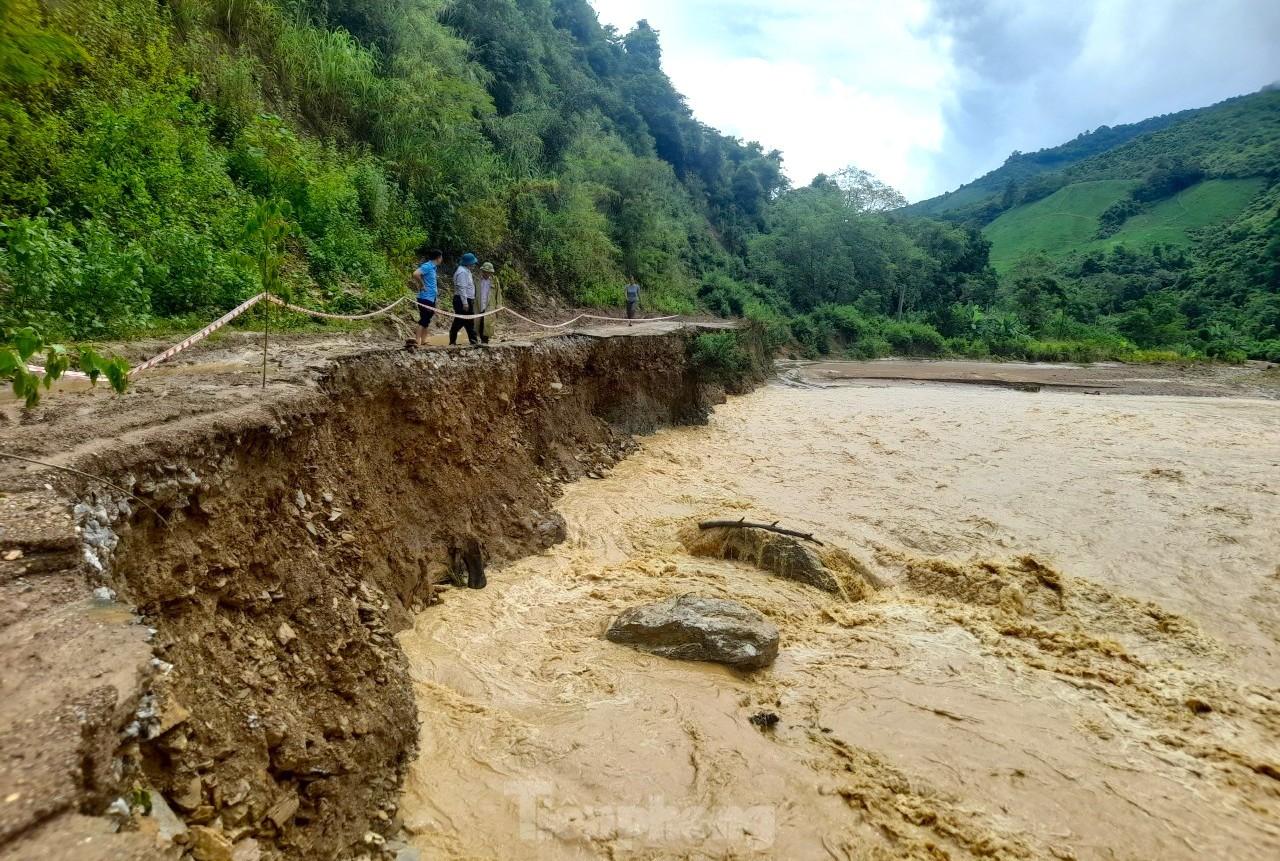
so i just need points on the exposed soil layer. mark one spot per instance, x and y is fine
(276, 542)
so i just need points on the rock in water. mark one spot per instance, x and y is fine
(827, 568)
(690, 628)
(783, 555)
(766, 720)
(466, 564)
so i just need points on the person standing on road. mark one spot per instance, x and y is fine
(633, 300)
(424, 277)
(464, 299)
(488, 297)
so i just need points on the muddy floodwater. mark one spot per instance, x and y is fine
(1076, 652)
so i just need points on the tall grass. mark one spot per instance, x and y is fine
(230, 16)
(333, 77)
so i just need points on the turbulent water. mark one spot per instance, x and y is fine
(1075, 654)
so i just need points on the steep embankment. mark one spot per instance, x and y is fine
(282, 544)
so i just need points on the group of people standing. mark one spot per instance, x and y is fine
(472, 295)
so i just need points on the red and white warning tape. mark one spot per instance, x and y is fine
(235, 312)
(198, 336)
(74, 375)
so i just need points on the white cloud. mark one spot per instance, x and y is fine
(820, 122)
(1032, 75)
(927, 94)
(829, 83)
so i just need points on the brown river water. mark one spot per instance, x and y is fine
(1075, 654)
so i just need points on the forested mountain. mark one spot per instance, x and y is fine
(139, 137)
(1167, 233)
(1015, 182)
(1239, 137)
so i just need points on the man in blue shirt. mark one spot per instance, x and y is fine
(425, 279)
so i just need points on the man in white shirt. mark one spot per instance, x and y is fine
(464, 299)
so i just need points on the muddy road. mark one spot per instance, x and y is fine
(1075, 655)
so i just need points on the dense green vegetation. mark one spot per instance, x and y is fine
(1169, 237)
(142, 140)
(139, 136)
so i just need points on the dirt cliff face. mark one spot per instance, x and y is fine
(285, 545)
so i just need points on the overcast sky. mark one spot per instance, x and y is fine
(928, 94)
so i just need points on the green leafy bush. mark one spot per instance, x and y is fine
(912, 338)
(139, 138)
(83, 282)
(1115, 215)
(20, 347)
(721, 356)
(769, 323)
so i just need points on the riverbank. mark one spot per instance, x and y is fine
(206, 633)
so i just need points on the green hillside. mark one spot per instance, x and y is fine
(1167, 237)
(1062, 223)
(1066, 222)
(1236, 138)
(1232, 139)
(1174, 221)
(1021, 169)
(145, 143)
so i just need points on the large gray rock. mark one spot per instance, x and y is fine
(690, 628)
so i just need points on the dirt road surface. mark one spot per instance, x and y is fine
(221, 374)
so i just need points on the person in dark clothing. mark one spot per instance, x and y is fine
(633, 300)
(464, 299)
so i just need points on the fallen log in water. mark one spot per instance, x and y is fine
(768, 527)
